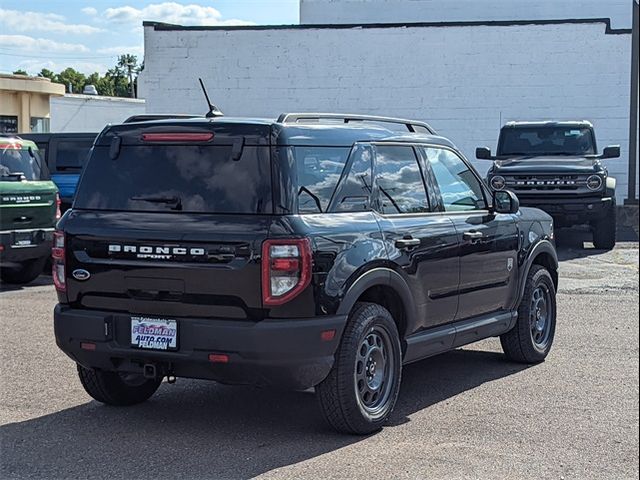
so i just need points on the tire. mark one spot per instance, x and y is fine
(358, 396)
(113, 388)
(532, 337)
(27, 272)
(604, 231)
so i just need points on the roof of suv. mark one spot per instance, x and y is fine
(265, 131)
(572, 123)
(14, 140)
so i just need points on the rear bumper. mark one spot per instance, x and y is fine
(570, 211)
(283, 353)
(13, 254)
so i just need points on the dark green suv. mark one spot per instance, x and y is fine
(29, 209)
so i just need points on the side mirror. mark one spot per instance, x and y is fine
(483, 153)
(612, 151)
(505, 201)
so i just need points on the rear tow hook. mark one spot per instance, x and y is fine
(149, 371)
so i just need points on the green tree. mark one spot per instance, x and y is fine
(46, 73)
(125, 72)
(115, 83)
(70, 77)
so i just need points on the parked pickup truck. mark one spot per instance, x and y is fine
(65, 155)
(555, 166)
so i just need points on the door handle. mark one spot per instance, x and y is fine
(407, 242)
(473, 236)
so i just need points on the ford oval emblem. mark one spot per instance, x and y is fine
(81, 274)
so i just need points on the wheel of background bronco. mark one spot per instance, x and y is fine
(361, 390)
(115, 388)
(27, 272)
(604, 231)
(531, 339)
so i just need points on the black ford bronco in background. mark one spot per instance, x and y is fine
(316, 250)
(555, 166)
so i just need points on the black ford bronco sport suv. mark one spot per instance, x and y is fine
(317, 250)
(555, 166)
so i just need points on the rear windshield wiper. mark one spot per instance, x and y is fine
(313, 196)
(175, 202)
(13, 175)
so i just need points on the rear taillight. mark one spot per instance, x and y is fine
(286, 269)
(57, 261)
(58, 203)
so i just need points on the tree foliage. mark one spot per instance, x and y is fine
(116, 82)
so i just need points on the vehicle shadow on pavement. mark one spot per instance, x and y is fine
(577, 242)
(42, 280)
(204, 430)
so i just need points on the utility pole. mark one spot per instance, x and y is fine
(130, 69)
(633, 113)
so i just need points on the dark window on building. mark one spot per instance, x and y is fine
(39, 125)
(8, 124)
(460, 188)
(399, 181)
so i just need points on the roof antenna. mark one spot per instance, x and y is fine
(213, 110)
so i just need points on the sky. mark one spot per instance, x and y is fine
(89, 35)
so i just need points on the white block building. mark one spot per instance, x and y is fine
(91, 113)
(465, 77)
(389, 11)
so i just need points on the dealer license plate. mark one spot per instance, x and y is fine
(22, 239)
(154, 333)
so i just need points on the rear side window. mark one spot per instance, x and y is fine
(354, 192)
(72, 154)
(318, 170)
(180, 178)
(399, 181)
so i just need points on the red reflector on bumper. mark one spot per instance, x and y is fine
(218, 358)
(88, 346)
(328, 335)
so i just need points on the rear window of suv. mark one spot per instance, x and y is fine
(16, 160)
(179, 178)
(72, 154)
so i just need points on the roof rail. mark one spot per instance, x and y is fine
(412, 126)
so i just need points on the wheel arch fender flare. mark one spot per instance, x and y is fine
(611, 187)
(543, 247)
(381, 276)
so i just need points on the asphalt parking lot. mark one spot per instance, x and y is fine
(466, 414)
